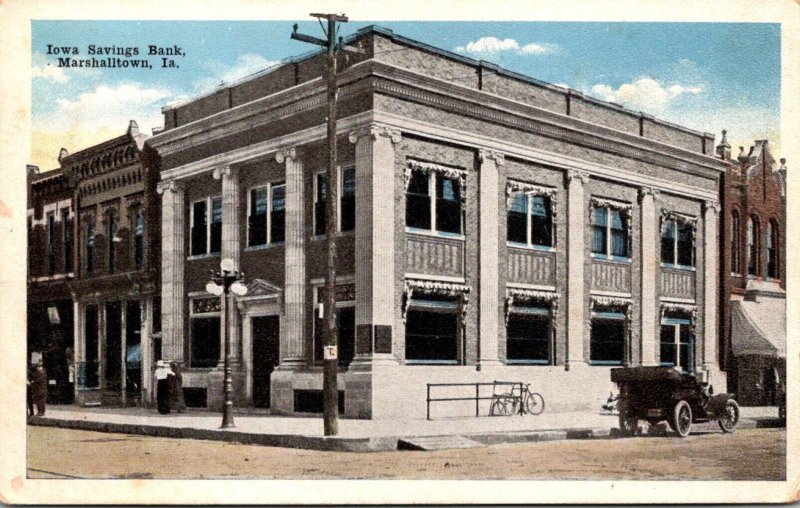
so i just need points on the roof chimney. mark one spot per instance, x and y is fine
(724, 148)
(62, 153)
(31, 169)
(133, 128)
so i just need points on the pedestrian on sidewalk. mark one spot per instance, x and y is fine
(176, 400)
(163, 374)
(29, 389)
(39, 389)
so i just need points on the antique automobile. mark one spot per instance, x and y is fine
(655, 394)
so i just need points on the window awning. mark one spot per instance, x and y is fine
(759, 328)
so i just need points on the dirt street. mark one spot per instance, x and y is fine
(744, 455)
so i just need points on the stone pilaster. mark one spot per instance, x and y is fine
(173, 257)
(230, 249)
(489, 210)
(576, 255)
(650, 260)
(78, 343)
(375, 248)
(293, 344)
(710, 289)
(147, 349)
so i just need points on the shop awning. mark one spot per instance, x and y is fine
(759, 328)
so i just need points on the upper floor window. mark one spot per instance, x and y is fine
(267, 215)
(771, 242)
(677, 243)
(206, 230)
(736, 258)
(112, 240)
(89, 247)
(67, 239)
(433, 202)
(51, 243)
(676, 343)
(610, 232)
(752, 245)
(138, 239)
(346, 213)
(530, 220)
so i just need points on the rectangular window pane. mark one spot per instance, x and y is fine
(418, 201)
(112, 254)
(607, 341)
(685, 234)
(541, 221)
(528, 338)
(348, 199)
(668, 349)
(432, 336)
(347, 335)
(216, 225)
(199, 228)
(517, 219)
(89, 248)
(686, 346)
(319, 204)
(599, 232)
(51, 243)
(278, 217)
(668, 243)
(257, 221)
(67, 225)
(448, 205)
(138, 239)
(205, 342)
(619, 234)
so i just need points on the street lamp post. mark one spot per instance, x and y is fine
(223, 282)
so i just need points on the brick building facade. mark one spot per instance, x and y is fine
(491, 227)
(754, 255)
(116, 257)
(50, 271)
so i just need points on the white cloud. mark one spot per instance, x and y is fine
(645, 93)
(49, 72)
(492, 46)
(94, 117)
(224, 73)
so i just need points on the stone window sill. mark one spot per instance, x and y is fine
(203, 256)
(684, 268)
(525, 246)
(435, 234)
(265, 246)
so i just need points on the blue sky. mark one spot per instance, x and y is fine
(707, 76)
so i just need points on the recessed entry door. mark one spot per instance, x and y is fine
(266, 356)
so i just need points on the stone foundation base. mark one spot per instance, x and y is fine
(215, 396)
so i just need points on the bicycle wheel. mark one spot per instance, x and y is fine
(534, 403)
(503, 406)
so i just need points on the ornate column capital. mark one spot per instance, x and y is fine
(284, 154)
(224, 171)
(375, 131)
(580, 174)
(498, 157)
(712, 205)
(648, 191)
(170, 185)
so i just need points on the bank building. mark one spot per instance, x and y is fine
(490, 227)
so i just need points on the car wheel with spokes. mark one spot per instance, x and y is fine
(730, 418)
(681, 419)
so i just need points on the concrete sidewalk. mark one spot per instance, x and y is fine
(354, 435)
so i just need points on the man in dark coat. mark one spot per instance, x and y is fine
(30, 390)
(163, 373)
(39, 389)
(176, 400)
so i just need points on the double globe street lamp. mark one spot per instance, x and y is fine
(224, 281)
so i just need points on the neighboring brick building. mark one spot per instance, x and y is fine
(492, 227)
(754, 254)
(50, 270)
(116, 256)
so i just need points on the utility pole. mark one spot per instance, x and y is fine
(330, 393)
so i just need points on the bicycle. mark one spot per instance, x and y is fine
(532, 403)
(520, 400)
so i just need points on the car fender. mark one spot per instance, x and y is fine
(716, 403)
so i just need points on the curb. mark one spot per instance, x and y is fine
(365, 444)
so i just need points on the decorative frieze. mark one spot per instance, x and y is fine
(446, 171)
(205, 305)
(685, 309)
(682, 218)
(548, 298)
(515, 186)
(611, 302)
(437, 288)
